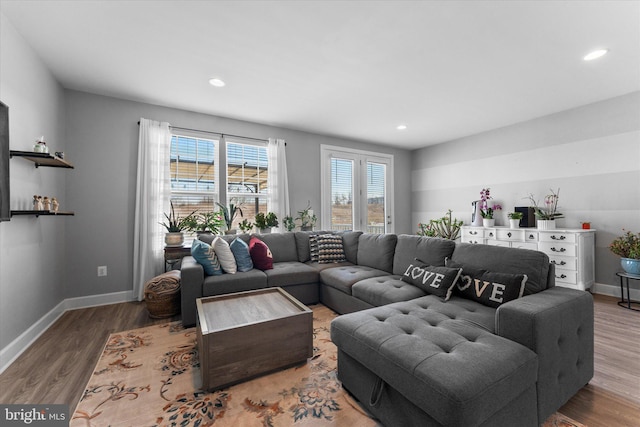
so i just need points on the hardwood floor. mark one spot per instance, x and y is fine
(57, 367)
(612, 397)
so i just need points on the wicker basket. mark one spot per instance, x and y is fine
(162, 295)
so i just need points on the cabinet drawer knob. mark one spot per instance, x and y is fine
(554, 237)
(509, 234)
(473, 233)
(558, 250)
(562, 276)
(531, 236)
(490, 234)
(558, 263)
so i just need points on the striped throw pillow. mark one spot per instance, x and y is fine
(330, 249)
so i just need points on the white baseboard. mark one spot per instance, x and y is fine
(614, 290)
(12, 351)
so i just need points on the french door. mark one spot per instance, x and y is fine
(356, 190)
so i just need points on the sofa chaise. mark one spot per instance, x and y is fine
(412, 357)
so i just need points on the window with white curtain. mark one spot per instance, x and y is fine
(194, 183)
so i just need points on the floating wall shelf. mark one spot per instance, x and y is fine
(42, 159)
(45, 213)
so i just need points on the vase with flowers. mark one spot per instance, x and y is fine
(547, 213)
(487, 211)
(627, 247)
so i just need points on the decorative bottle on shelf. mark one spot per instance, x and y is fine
(40, 146)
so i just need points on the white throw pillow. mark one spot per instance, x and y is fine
(225, 256)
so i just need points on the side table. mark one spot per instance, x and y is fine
(624, 278)
(173, 255)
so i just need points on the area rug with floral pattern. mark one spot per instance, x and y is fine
(151, 377)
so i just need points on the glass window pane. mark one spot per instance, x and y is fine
(247, 168)
(192, 163)
(376, 214)
(185, 204)
(341, 194)
(249, 206)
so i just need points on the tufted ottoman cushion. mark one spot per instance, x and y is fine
(345, 276)
(384, 290)
(454, 370)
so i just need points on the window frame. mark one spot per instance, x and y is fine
(224, 189)
(359, 197)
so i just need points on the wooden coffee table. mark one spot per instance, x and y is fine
(247, 334)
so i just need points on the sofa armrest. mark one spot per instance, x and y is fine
(557, 324)
(191, 279)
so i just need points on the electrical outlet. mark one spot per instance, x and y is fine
(102, 270)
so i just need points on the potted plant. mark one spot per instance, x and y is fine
(264, 223)
(307, 218)
(445, 227)
(229, 214)
(514, 219)
(175, 226)
(487, 212)
(627, 247)
(288, 223)
(245, 226)
(547, 214)
(205, 223)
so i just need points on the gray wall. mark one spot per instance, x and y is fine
(102, 141)
(32, 250)
(591, 153)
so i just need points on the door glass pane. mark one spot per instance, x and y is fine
(341, 194)
(376, 198)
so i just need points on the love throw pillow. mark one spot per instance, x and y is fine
(488, 288)
(434, 280)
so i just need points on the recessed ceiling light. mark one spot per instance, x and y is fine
(216, 82)
(401, 127)
(595, 54)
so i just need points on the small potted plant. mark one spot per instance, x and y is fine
(627, 247)
(175, 226)
(245, 226)
(446, 227)
(264, 223)
(514, 219)
(307, 218)
(289, 223)
(205, 223)
(229, 213)
(547, 214)
(485, 210)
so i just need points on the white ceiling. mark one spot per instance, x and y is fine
(353, 69)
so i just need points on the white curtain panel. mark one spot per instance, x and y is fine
(152, 200)
(278, 181)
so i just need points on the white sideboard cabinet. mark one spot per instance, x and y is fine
(571, 250)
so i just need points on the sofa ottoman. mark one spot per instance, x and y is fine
(415, 358)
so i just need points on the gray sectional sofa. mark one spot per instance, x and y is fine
(412, 358)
